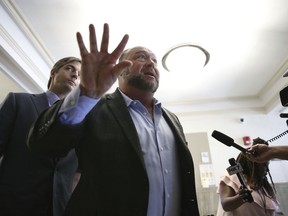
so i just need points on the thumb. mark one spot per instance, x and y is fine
(121, 66)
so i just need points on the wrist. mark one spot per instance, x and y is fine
(89, 93)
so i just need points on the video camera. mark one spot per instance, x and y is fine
(284, 101)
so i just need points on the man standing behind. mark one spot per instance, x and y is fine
(31, 185)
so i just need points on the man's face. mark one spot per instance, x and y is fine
(66, 78)
(143, 74)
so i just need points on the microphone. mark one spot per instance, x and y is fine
(227, 140)
(284, 115)
(237, 169)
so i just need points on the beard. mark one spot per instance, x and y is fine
(140, 82)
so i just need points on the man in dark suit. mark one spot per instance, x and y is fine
(132, 152)
(31, 185)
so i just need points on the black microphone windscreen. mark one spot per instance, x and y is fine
(284, 115)
(223, 138)
(232, 161)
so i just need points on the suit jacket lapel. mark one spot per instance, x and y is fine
(118, 107)
(40, 101)
(174, 125)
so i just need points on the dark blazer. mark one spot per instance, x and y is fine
(28, 180)
(113, 176)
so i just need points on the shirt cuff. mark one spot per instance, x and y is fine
(76, 107)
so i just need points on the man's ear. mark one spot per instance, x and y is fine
(121, 73)
(52, 74)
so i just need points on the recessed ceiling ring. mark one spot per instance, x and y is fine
(206, 53)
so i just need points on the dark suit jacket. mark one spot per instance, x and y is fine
(113, 180)
(27, 180)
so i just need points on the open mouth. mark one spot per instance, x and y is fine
(151, 75)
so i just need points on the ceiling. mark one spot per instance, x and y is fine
(247, 42)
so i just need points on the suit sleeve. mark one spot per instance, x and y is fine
(7, 118)
(49, 138)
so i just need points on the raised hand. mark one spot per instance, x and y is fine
(99, 69)
(259, 153)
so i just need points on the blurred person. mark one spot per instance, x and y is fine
(31, 185)
(132, 152)
(233, 196)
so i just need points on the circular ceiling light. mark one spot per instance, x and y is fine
(185, 55)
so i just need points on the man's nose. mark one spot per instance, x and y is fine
(76, 74)
(151, 62)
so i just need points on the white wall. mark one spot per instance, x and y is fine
(254, 125)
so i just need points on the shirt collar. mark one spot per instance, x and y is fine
(52, 97)
(128, 100)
